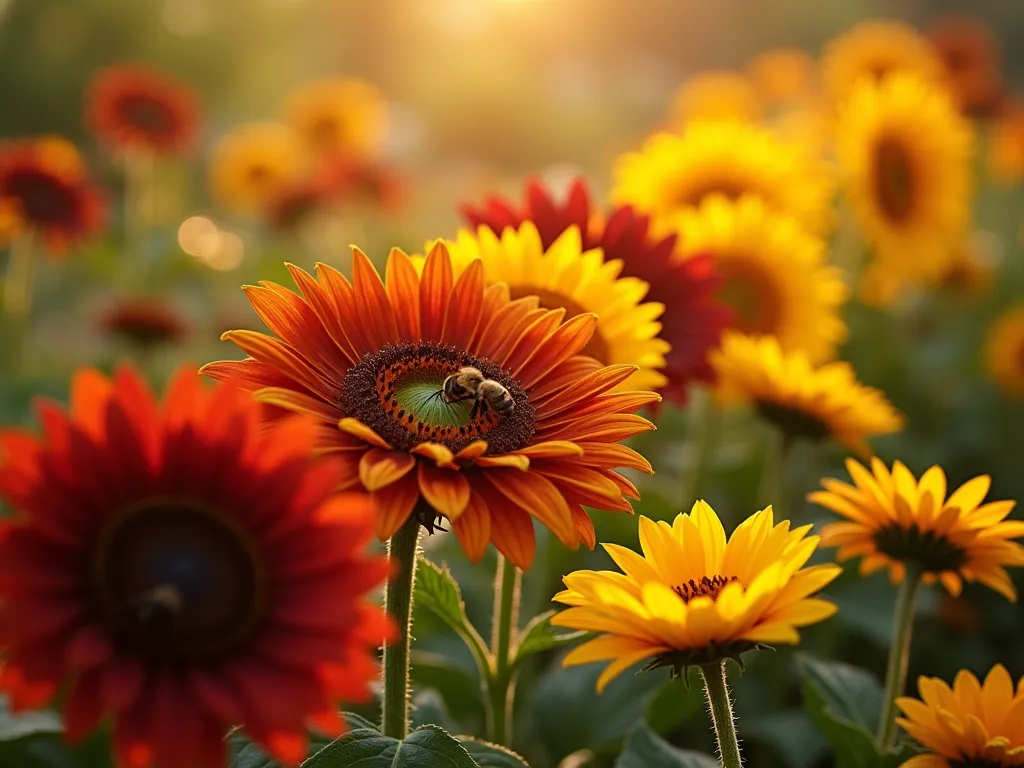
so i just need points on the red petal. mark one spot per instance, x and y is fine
(566, 341)
(537, 496)
(403, 286)
(511, 528)
(531, 338)
(395, 503)
(372, 303)
(473, 528)
(435, 291)
(447, 491)
(464, 307)
(90, 393)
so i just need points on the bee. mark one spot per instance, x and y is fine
(469, 383)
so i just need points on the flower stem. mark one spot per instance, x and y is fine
(899, 654)
(20, 279)
(398, 602)
(507, 587)
(704, 428)
(720, 709)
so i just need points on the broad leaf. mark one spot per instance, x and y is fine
(646, 749)
(427, 747)
(539, 635)
(438, 592)
(245, 754)
(488, 755)
(675, 703)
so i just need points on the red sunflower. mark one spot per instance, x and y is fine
(369, 359)
(181, 570)
(132, 107)
(44, 189)
(145, 322)
(694, 318)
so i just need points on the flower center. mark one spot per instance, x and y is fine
(42, 198)
(693, 196)
(258, 175)
(397, 393)
(325, 131)
(177, 581)
(752, 294)
(597, 347)
(793, 422)
(147, 115)
(706, 587)
(894, 180)
(933, 552)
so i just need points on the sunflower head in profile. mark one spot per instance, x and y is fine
(395, 372)
(895, 521)
(695, 597)
(676, 172)
(144, 322)
(44, 191)
(971, 724)
(716, 95)
(694, 317)
(1003, 353)
(165, 565)
(803, 402)
(253, 164)
(973, 62)
(338, 116)
(775, 275)
(872, 50)
(136, 108)
(905, 153)
(783, 75)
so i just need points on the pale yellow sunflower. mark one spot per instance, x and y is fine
(338, 115)
(250, 165)
(1004, 352)
(716, 95)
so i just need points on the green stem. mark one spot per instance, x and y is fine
(899, 654)
(138, 200)
(772, 488)
(507, 588)
(848, 247)
(398, 602)
(20, 280)
(720, 709)
(705, 427)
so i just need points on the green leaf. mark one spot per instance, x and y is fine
(459, 688)
(249, 755)
(438, 592)
(21, 725)
(646, 749)
(427, 747)
(675, 703)
(539, 635)
(488, 755)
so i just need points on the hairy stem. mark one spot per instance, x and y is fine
(507, 588)
(899, 654)
(398, 602)
(720, 709)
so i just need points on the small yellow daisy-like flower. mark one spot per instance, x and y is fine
(694, 597)
(783, 75)
(253, 163)
(801, 400)
(1004, 352)
(905, 153)
(566, 277)
(675, 172)
(716, 96)
(894, 520)
(775, 275)
(871, 51)
(970, 724)
(338, 115)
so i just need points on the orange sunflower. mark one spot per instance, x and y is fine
(180, 570)
(131, 108)
(369, 359)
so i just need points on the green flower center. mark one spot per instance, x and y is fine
(933, 552)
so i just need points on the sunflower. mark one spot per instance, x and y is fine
(693, 597)
(338, 115)
(253, 163)
(44, 191)
(145, 322)
(783, 75)
(676, 172)
(564, 277)
(369, 359)
(970, 724)
(801, 400)
(1006, 144)
(895, 520)
(905, 153)
(693, 319)
(134, 108)
(178, 569)
(716, 96)
(775, 275)
(973, 63)
(1004, 352)
(871, 51)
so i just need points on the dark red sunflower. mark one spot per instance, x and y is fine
(294, 203)
(694, 318)
(369, 359)
(146, 322)
(355, 180)
(973, 61)
(45, 190)
(132, 107)
(180, 570)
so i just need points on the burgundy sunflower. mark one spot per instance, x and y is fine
(45, 190)
(132, 107)
(369, 359)
(146, 322)
(180, 570)
(973, 61)
(694, 318)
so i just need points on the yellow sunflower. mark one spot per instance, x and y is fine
(716, 96)
(801, 400)
(338, 115)
(776, 278)
(568, 278)
(894, 520)
(783, 75)
(674, 172)
(972, 723)
(250, 165)
(905, 153)
(694, 597)
(1004, 352)
(871, 51)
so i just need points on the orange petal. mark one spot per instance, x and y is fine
(531, 338)
(297, 402)
(324, 307)
(511, 528)
(403, 286)
(552, 449)
(511, 460)
(438, 453)
(379, 467)
(90, 393)
(592, 383)
(395, 503)
(360, 430)
(350, 324)
(495, 298)
(372, 303)
(435, 290)
(464, 306)
(473, 528)
(558, 347)
(472, 451)
(508, 327)
(539, 497)
(445, 490)
(602, 429)
(584, 526)
(284, 358)
(294, 322)
(612, 455)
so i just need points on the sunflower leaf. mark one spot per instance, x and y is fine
(646, 749)
(426, 747)
(539, 635)
(438, 592)
(489, 755)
